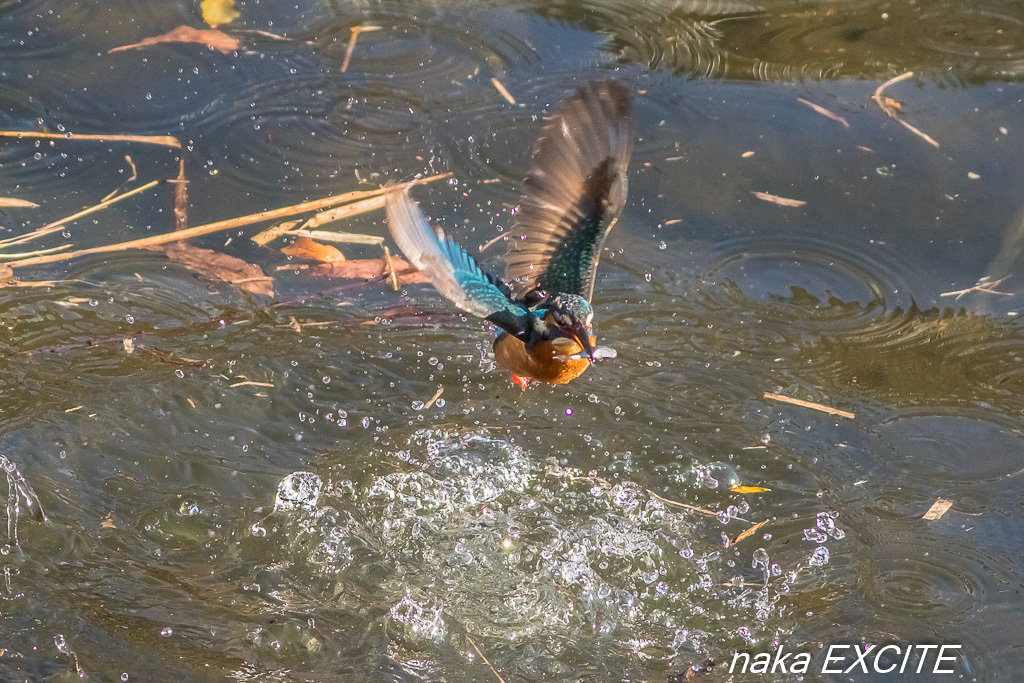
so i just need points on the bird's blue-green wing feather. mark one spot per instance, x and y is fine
(450, 268)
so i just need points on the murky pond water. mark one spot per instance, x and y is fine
(264, 490)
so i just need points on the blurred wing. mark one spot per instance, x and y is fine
(574, 192)
(451, 270)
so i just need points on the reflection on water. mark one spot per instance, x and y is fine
(263, 490)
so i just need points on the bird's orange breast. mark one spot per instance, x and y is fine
(548, 361)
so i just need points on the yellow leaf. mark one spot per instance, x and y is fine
(217, 12)
(748, 489)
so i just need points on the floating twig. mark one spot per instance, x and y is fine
(250, 384)
(824, 112)
(891, 107)
(229, 224)
(432, 401)
(809, 404)
(331, 236)
(162, 140)
(983, 285)
(392, 275)
(503, 91)
(346, 211)
(491, 243)
(747, 533)
(11, 203)
(356, 30)
(493, 670)
(56, 225)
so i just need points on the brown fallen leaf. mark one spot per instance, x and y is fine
(748, 489)
(370, 269)
(776, 199)
(218, 266)
(9, 202)
(216, 40)
(6, 275)
(311, 250)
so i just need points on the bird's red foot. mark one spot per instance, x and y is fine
(520, 381)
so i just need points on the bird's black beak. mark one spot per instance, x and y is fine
(581, 333)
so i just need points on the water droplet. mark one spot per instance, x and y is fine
(179, 373)
(167, 632)
(819, 558)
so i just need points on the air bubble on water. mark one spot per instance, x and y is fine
(93, 302)
(417, 405)
(723, 516)
(815, 536)
(167, 632)
(124, 676)
(299, 490)
(593, 398)
(326, 379)
(440, 403)
(179, 373)
(149, 96)
(61, 643)
(819, 558)
(760, 559)
(365, 422)
(130, 319)
(662, 245)
(647, 276)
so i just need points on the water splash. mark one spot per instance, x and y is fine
(18, 493)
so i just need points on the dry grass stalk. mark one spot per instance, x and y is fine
(55, 226)
(264, 238)
(493, 670)
(346, 211)
(356, 30)
(501, 89)
(229, 224)
(824, 112)
(162, 140)
(392, 275)
(331, 236)
(490, 243)
(891, 107)
(808, 404)
(433, 400)
(38, 252)
(747, 533)
(11, 203)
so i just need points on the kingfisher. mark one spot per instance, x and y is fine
(574, 193)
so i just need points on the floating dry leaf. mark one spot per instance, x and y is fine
(6, 275)
(215, 40)
(9, 202)
(747, 533)
(938, 508)
(748, 489)
(217, 12)
(220, 267)
(305, 248)
(776, 199)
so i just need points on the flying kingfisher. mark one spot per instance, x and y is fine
(575, 191)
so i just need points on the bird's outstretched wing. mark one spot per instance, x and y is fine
(451, 270)
(574, 192)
